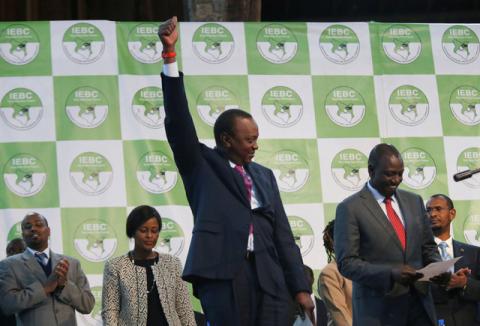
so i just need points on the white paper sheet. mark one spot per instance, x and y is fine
(437, 268)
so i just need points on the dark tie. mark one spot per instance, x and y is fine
(41, 258)
(247, 181)
(395, 221)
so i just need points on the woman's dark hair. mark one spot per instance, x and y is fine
(328, 240)
(140, 215)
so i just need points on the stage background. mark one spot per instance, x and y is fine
(82, 138)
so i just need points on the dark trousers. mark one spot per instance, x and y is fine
(241, 301)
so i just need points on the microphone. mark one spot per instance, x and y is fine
(465, 174)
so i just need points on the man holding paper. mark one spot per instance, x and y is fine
(382, 237)
(458, 303)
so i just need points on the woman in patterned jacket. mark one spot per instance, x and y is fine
(144, 287)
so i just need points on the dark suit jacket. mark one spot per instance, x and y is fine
(367, 248)
(222, 212)
(460, 307)
(21, 291)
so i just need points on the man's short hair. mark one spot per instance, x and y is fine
(226, 121)
(15, 246)
(34, 213)
(380, 151)
(447, 199)
(140, 215)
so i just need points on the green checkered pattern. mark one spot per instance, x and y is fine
(82, 139)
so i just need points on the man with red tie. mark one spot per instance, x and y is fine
(382, 236)
(243, 261)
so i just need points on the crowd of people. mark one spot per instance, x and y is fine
(243, 263)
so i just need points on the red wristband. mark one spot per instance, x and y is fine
(170, 54)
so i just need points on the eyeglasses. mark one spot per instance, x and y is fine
(436, 209)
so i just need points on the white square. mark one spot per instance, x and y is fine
(455, 148)
(408, 106)
(141, 117)
(97, 55)
(10, 217)
(351, 57)
(91, 180)
(218, 58)
(343, 166)
(451, 54)
(283, 106)
(35, 124)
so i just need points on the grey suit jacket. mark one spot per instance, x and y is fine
(21, 291)
(124, 295)
(367, 248)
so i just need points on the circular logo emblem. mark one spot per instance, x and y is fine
(401, 44)
(19, 44)
(282, 106)
(95, 240)
(147, 107)
(94, 318)
(345, 106)
(21, 109)
(339, 44)
(471, 229)
(15, 232)
(87, 107)
(290, 169)
(24, 174)
(172, 239)
(83, 43)
(213, 43)
(465, 105)
(276, 43)
(156, 172)
(302, 233)
(460, 44)
(91, 173)
(350, 169)
(213, 101)
(420, 168)
(144, 44)
(408, 105)
(469, 159)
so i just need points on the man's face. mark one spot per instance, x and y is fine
(387, 175)
(242, 144)
(35, 232)
(440, 215)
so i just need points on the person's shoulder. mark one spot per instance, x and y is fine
(12, 260)
(353, 198)
(466, 246)
(168, 259)
(408, 194)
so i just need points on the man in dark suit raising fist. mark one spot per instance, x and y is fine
(243, 261)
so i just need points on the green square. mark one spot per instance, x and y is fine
(29, 175)
(401, 48)
(277, 49)
(296, 167)
(94, 235)
(86, 107)
(152, 175)
(210, 96)
(466, 225)
(345, 106)
(424, 163)
(25, 49)
(140, 49)
(459, 105)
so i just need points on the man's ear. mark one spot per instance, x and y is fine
(225, 140)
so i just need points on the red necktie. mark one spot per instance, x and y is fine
(396, 223)
(247, 181)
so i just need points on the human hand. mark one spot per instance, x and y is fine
(306, 303)
(459, 279)
(442, 279)
(61, 271)
(405, 275)
(168, 34)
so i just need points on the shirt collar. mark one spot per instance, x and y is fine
(449, 241)
(46, 251)
(377, 195)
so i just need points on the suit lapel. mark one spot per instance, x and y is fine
(260, 191)
(55, 258)
(379, 216)
(33, 265)
(409, 223)
(458, 250)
